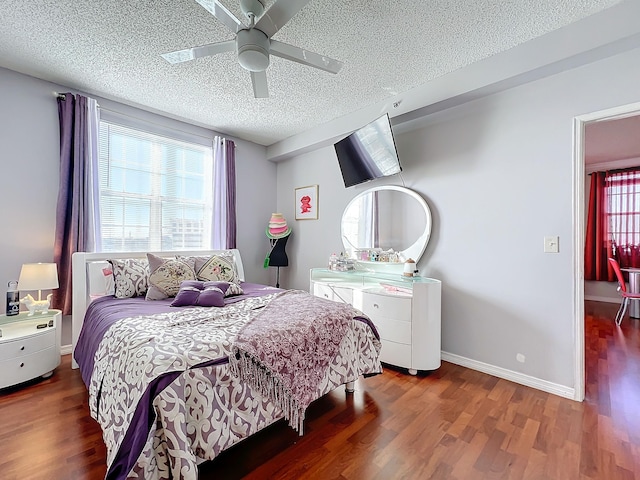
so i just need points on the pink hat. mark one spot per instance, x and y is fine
(277, 227)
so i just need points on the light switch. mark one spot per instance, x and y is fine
(551, 244)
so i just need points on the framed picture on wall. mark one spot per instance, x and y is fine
(307, 203)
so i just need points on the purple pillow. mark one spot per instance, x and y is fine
(187, 295)
(211, 296)
(200, 294)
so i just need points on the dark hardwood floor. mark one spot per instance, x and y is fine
(452, 424)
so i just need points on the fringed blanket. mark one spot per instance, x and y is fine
(285, 351)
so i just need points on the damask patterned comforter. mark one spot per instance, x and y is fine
(161, 388)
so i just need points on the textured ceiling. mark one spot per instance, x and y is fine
(112, 49)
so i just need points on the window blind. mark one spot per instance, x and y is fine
(155, 191)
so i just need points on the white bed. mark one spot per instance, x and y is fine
(203, 406)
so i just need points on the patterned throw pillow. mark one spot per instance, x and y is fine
(216, 268)
(233, 289)
(166, 275)
(130, 276)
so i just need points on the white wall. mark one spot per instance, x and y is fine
(29, 152)
(255, 201)
(312, 241)
(29, 157)
(497, 174)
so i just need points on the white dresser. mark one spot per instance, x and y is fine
(29, 346)
(408, 319)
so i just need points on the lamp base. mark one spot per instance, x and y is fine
(34, 306)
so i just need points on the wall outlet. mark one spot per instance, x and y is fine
(551, 244)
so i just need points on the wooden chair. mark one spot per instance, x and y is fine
(622, 288)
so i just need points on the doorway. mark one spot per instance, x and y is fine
(579, 176)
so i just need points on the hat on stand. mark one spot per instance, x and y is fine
(277, 227)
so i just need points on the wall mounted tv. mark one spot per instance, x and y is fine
(368, 153)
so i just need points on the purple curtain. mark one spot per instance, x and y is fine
(77, 224)
(223, 228)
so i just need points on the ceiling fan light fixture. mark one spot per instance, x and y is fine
(253, 50)
(253, 58)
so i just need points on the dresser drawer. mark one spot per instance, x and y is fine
(20, 369)
(331, 292)
(342, 294)
(322, 291)
(386, 306)
(394, 330)
(397, 354)
(27, 345)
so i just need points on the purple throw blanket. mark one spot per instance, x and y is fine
(286, 349)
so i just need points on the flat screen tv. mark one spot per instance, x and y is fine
(368, 153)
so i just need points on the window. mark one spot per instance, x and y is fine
(623, 214)
(155, 191)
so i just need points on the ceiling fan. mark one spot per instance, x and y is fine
(253, 43)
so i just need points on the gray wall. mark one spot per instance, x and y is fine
(497, 174)
(29, 151)
(29, 156)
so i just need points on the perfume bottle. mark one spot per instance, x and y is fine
(13, 298)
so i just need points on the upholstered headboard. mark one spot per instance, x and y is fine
(90, 279)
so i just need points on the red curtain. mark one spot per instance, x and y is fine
(613, 223)
(598, 247)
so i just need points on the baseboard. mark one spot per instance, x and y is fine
(517, 377)
(499, 372)
(596, 298)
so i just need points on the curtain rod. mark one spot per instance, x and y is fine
(63, 96)
(154, 123)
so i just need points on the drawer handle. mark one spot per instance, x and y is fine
(326, 296)
(375, 305)
(22, 347)
(21, 365)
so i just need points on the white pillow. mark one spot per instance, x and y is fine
(101, 280)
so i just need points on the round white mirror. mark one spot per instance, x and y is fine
(386, 218)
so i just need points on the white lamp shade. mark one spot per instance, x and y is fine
(38, 276)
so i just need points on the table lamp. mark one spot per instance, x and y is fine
(38, 276)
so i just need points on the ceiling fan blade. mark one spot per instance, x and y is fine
(218, 10)
(305, 57)
(259, 82)
(198, 52)
(278, 15)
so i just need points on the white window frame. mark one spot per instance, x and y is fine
(175, 136)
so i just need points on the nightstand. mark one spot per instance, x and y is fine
(27, 351)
